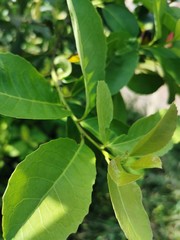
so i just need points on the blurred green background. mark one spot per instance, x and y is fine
(40, 31)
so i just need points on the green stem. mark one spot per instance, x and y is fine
(76, 121)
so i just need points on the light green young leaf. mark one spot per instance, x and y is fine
(159, 136)
(104, 109)
(148, 161)
(51, 192)
(119, 174)
(129, 211)
(176, 136)
(24, 93)
(91, 45)
(177, 31)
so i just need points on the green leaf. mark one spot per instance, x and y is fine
(169, 61)
(171, 15)
(115, 14)
(148, 161)
(159, 7)
(125, 143)
(145, 83)
(159, 136)
(129, 211)
(120, 70)
(144, 125)
(176, 136)
(104, 109)
(122, 144)
(91, 124)
(177, 31)
(24, 93)
(119, 108)
(51, 192)
(119, 174)
(91, 46)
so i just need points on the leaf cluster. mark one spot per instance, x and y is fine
(52, 187)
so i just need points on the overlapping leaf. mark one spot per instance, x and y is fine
(159, 136)
(156, 129)
(51, 192)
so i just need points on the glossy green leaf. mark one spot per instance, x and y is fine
(120, 70)
(115, 14)
(159, 136)
(145, 83)
(24, 93)
(91, 45)
(129, 210)
(104, 109)
(119, 174)
(51, 192)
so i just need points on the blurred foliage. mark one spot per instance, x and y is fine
(40, 31)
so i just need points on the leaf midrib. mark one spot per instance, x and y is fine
(118, 188)
(46, 194)
(29, 100)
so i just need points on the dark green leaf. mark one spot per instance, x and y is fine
(115, 14)
(120, 70)
(145, 83)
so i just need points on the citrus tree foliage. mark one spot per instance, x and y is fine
(49, 193)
